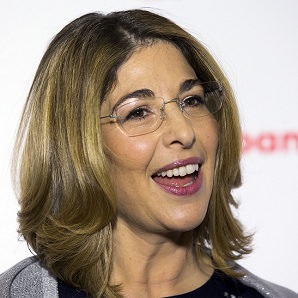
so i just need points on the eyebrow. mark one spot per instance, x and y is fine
(185, 86)
(136, 93)
(188, 85)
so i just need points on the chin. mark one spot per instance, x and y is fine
(185, 223)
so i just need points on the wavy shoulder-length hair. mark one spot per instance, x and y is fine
(67, 203)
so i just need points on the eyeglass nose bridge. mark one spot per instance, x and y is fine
(163, 108)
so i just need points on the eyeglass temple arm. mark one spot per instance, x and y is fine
(109, 116)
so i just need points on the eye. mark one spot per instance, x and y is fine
(193, 101)
(137, 114)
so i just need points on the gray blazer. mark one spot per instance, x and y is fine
(29, 279)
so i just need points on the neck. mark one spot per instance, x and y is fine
(155, 264)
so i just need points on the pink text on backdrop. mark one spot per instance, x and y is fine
(271, 142)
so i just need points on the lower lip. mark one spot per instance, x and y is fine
(186, 190)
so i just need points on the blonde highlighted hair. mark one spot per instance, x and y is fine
(67, 203)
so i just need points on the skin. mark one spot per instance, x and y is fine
(153, 227)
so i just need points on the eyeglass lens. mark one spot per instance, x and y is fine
(138, 116)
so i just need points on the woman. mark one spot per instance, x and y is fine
(127, 152)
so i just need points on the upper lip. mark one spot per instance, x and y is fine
(180, 163)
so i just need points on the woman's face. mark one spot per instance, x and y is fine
(147, 201)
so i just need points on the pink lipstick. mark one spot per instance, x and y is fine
(182, 177)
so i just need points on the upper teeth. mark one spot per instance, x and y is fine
(181, 171)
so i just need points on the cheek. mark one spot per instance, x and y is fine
(129, 159)
(208, 134)
(213, 141)
(127, 153)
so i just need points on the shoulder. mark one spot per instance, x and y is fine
(266, 288)
(28, 278)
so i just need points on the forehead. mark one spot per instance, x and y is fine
(160, 67)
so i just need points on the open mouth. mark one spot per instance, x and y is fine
(179, 177)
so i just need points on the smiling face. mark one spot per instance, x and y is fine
(144, 168)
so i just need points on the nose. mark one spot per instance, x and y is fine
(178, 129)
